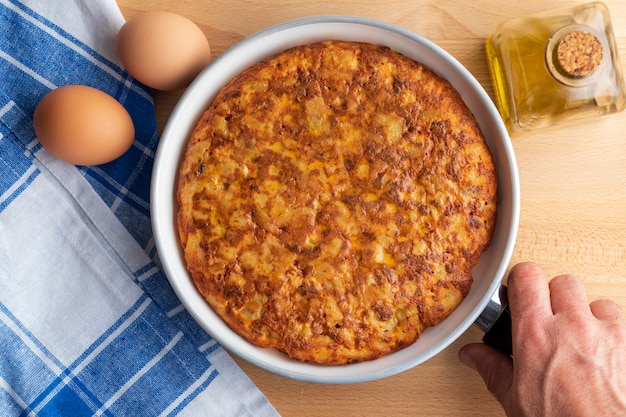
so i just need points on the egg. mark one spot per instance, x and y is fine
(83, 125)
(163, 50)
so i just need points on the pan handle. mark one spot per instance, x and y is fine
(495, 321)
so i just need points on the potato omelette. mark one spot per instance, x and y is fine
(333, 200)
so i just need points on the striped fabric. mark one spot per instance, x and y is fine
(88, 322)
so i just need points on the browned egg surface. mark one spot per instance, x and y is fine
(333, 200)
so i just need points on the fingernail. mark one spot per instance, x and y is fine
(467, 359)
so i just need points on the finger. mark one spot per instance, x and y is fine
(494, 367)
(528, 293)
(606, 310)
(567, 294)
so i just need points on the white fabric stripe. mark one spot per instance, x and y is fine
(74, 47)
(139, 374)
(119, 200)
(9, 192)
(31, 345)
(6, 108)
(27, 70)
(150, 246)
(150, 272)
(187, 392)
(147, 151)
(207, 345)
(5, 386)
(32, 144)
(175, 311)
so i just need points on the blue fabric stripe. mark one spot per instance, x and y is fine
(157, 284)
(153, 281)
(180, 367)
(159, 288)
(13, 130)
(18, 357)
(110, 191)
(194, 333)
(8, 405)
(15, 161)
(98, 342)
(158, 397)
(200, 388)
(212, 349)
(66, 403)
(7, 200)
(14, 350)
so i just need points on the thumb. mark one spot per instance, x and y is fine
(495, 368)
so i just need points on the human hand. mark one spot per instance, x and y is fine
(569, 357)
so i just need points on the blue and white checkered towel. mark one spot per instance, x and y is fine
(88, 322)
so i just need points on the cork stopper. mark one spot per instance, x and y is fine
(576, 55)
(579, 53)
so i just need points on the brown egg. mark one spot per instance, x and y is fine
(83, 125)
(163, 50)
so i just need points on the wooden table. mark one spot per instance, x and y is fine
(573, 188)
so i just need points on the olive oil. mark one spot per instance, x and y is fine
(552, 68)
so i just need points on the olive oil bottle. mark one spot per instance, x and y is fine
(556, 67)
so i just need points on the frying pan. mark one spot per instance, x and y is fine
(481, 306)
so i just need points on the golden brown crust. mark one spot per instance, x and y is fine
(333, 200)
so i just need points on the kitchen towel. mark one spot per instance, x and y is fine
(88, 322)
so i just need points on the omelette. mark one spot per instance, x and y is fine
(333, 200)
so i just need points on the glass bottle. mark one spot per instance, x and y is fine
(556, 67)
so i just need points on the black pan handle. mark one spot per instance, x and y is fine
(495, 321)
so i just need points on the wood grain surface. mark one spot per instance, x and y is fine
(573, 190)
